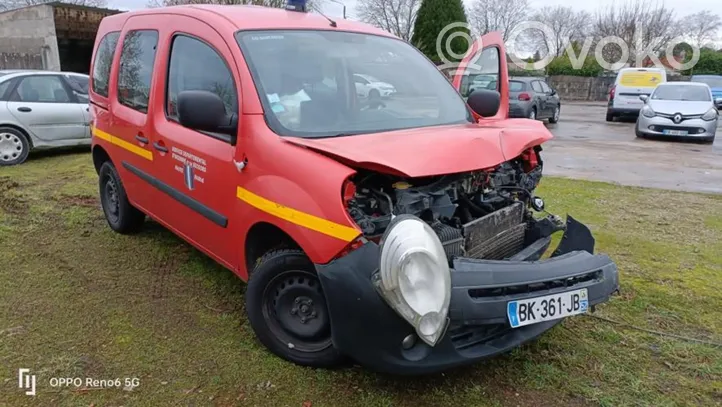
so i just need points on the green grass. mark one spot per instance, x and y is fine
(81, 301)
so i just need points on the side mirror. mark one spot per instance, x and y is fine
(484, 102)
(204, 111)
(553, 92)
(643, 98)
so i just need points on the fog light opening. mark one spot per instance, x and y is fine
(408, 342)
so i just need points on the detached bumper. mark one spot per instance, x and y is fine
(365, 328)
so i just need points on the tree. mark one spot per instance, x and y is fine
(701, 27)
(12, 4)
(395, 16)
(641, 24)
(498, 15)
(710, 62)
(563, 25)
(432, 18)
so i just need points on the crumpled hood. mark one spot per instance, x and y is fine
(438, 150)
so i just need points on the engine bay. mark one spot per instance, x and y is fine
(460, 208)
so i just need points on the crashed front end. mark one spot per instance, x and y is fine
(449, 270)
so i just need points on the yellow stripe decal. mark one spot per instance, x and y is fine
(306, 220)
(148, 155)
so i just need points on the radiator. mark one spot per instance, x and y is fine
(496, 236)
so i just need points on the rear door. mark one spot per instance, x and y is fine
(78, 85)
(486, 57)
(45, 105)
(633, 83)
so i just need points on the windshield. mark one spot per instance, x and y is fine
(327, 83)
(681, 92)
(711, 81)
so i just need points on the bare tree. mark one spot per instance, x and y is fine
(12, 4)
(498, 15)
(646, 28)
(563, 25)
(394, 16)
(701, 27)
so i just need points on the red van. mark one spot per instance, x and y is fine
(399, 232)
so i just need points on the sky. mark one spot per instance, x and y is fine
(684, 7)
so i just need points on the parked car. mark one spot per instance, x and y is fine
(713, 81)
(397, 237)
(679, 109)
(533, 98)
(630, 84)
(371, 88)
(482, 82)
(40, 110)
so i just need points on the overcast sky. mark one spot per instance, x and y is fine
(683, 7)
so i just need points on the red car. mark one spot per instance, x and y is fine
(397, 232)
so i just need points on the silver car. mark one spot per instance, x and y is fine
(39, 110)
(679, 109)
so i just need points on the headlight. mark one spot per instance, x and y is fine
(414, 276)
(710, 115)
(647, 111)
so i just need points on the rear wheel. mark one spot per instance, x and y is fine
(610, 117)
(122, 217)
(14, 146)
(287, 309)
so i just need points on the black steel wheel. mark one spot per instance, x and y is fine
(287, 309)
(120, 214)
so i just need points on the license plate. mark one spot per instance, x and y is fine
(547, 308)
(675, 132)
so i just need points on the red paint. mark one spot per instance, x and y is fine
(303, 174)
(524, 96)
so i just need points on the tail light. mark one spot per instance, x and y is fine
(524, 96)
(611, 92)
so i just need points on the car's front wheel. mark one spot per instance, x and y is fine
(555, 115)
(122, 217)
(287, 310)
(14, 146)
(532, 113)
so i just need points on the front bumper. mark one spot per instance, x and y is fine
(695, 128)
(365, 328)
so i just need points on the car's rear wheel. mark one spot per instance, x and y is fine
(287, 309)
(122, 217)
(610, 117)
(555, 115)
(14, 146)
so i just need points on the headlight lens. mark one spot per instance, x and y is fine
(414, 276)
(647, 111)
(710, 115)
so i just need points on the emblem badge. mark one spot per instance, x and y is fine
(677, 118)
(188, 176)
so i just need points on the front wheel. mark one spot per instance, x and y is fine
(555, 115)
(122, 217)
(287, 309)
(532, 113)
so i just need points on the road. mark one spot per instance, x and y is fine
(585, 146)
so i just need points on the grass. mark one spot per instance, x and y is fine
(81, 301)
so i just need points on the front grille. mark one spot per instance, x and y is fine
(690, 130)
(467, 337)
(496, 236)
(684, 116)
(530, 288)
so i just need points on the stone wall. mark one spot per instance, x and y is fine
(581, 88)
(27, 39)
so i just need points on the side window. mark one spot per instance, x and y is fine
(546, 87)
(136, 69)
(194, 65)
(41, 89)
(536, 86)
(103, 62)
(360, 80)
(79, 85)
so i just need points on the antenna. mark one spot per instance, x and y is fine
(332, 23)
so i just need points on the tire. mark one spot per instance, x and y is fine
(555, 116)
(374, 94)
(532, 113)
(14, 146)
(283, 290)
(122, 217)
(637, 132)
(610, 117)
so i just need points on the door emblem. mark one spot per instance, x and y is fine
(188, 176)
(677, 118)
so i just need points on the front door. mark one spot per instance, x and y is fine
(194, 168)
(45, 105)
(486, 56)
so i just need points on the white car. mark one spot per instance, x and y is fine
(41, 109)
(369, 87)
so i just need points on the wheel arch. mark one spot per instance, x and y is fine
(99, 157)
(261, 238)
(21, 130)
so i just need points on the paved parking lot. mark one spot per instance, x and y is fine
(586, 146)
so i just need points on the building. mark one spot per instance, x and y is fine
(54, 36)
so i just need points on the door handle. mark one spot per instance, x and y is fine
(159, 147)
(141, 139)
(24, 109)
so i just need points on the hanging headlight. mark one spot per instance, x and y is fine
(414, 276)
(710, 115)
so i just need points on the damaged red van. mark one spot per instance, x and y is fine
(377, 211)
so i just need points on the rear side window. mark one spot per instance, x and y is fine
(103, 62)
(136, 69)
(515, 86)
(194, 65)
